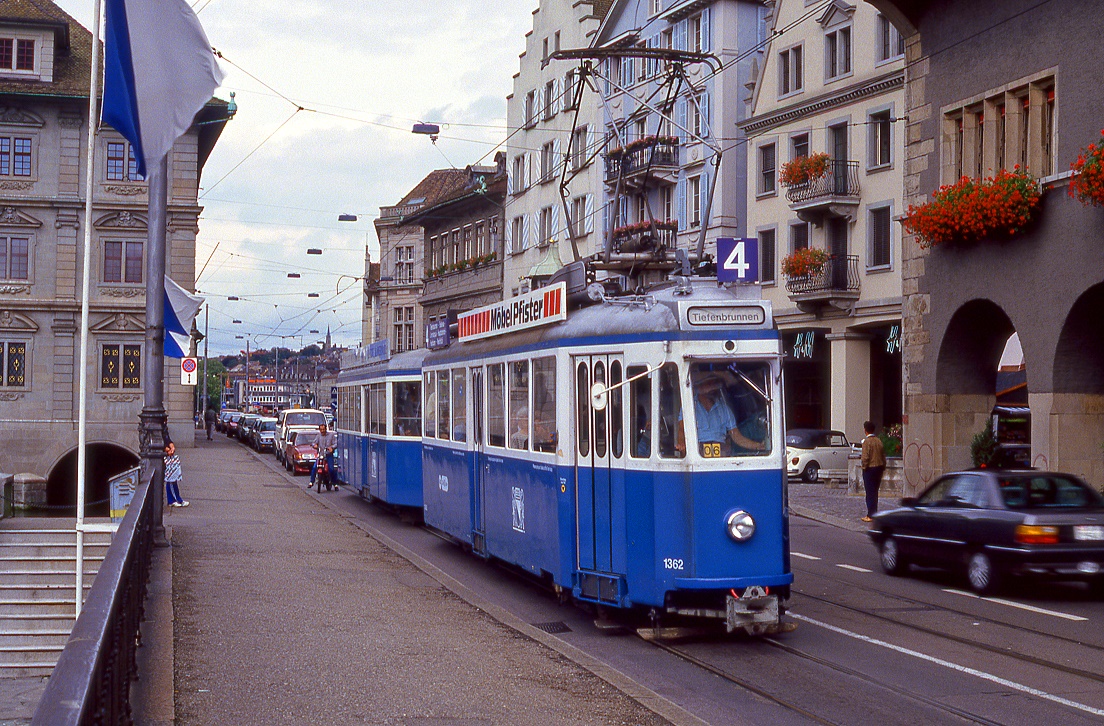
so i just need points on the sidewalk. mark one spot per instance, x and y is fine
(833, 505)
(284, 612)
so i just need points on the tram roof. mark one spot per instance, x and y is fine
(410, 361)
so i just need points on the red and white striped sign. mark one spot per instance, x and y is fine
(540, 307)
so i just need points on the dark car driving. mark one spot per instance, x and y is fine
(992, 523)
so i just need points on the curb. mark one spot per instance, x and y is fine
(833, 520)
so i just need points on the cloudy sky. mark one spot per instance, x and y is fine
(363, 72)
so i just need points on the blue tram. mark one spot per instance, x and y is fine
(631, 453)
(379, 429)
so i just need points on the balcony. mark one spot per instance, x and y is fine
(835, 284)
(640, 237)
(833, 194)
(641, 159)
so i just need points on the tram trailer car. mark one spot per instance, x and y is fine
(557, 443)
(379, 434)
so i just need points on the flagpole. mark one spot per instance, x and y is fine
(82, 361)
(153, 364)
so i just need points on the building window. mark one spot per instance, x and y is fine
(694, 116)
(15, 258)
(579, 219)
(799, 146)
(519, 174)
(404, 265)
(890, 42)
(122, 165)
(545, 230)
(694, 34)
(123, 261)
(837, 53)
(120, 366)
(881, 237)
(799, 236)
(17, 54)
(549, 100)
(15, 156)
(403, 328)
(693, 200)
(548, 162)
(766, 169)
(767, 256)
(517, 234)
(880, 127)
(570, 98)
(791, 70)
(13, 364)
(579, 150)
(530, 109)
(666, 203)
(655, 7)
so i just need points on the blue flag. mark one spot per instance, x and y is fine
(181, 308)
(159, 71)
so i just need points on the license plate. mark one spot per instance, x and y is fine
(1088, 532)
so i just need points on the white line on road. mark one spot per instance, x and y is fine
(955, 667)
(855, 569)
(1020, 605)
(804, 556)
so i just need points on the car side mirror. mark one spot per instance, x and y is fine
(909, 502)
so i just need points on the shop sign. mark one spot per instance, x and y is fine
(437, 335)
(540, 307)
(379, 351)
(803, 345)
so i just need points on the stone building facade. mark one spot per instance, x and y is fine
(987, 89)
(43, 140)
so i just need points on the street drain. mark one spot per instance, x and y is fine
(553, 628)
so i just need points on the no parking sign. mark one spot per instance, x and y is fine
(189, 371)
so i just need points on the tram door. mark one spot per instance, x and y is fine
(599, 445)
(479, 467)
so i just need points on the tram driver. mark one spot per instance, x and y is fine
(720, 432)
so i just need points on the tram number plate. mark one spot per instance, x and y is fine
(711, 450)
(1088, 532)
(673, 564)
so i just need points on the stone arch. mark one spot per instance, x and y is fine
(104, 461)
(1079, 355)
(971, 349)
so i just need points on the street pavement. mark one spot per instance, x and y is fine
(280, 609)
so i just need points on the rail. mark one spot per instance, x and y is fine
(654, 155)
(839, 273)
(840, 180)
(92, 679)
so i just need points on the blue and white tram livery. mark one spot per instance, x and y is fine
(379, 429)
(631, 452)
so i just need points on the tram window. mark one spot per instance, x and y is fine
(519, 404)
(731, 410)
(443, 405)
(670, 412)
(600, 416)
(377, 408)
(640, 410)
(429, 386)
(407, 403)
(617, 421)
(496, 405)
(582, 406)
(545, 436)
(357, 421)
(459, 406)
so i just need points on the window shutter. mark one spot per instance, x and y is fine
(557, 158)
(509, 183)
(680, 35)
(557, 95)
(526, 233)
(589, 212)
(680, 119)
(707, 124)
(681, 192)
(706, 27)
(703, 194)
(509, 237)
(555, 232)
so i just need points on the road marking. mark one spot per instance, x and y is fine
(954, 666)
(855, 569)
(1020, 605)
(804, 556)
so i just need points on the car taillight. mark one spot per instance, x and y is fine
(1034, 534)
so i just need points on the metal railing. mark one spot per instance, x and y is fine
(640, 241)
(839, 274)
(841, 180)
(91, 681)
(656, 155)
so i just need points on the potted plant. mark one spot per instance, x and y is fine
(891, 439)
(804, 169)
(997, 207)
(804, 262)
(1087, 182)
(983, 448)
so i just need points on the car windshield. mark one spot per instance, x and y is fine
(304, 418)
(731, 408)
(267, 426)
(1047, 491)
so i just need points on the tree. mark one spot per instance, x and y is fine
(215, 373)
(983, 449)
(310, 351)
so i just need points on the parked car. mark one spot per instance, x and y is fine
(281, 445)
(231, 426)
(289, 417)
(245, 424)
(812, 451)
(991, 523)
(262, 436)
(299, 453)
(220, 422)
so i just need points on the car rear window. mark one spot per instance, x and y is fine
(1048, 492)
(304, 418)
(802, 440)
(267, 426)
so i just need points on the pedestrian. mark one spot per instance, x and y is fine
(173, 475)
(873, 466)
(209, 418)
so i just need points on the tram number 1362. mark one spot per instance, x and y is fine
(672, 564)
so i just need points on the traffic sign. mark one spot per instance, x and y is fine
(189, 371)
(737, 259)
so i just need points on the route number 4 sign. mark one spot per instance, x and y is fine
(737, 260)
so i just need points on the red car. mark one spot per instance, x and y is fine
(300, 454)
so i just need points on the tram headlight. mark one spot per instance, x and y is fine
(740, 526)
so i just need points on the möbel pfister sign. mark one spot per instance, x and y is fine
(540, 307)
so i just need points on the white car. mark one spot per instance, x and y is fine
(810, 452)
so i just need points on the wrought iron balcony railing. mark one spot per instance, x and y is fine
(840, 274)
(841, 180)
(657, 155)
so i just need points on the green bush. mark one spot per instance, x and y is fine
(983, 449)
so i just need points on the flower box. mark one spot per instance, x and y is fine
(803, 169)
(1087, 183)
(804, 262)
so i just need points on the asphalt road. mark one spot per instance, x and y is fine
(868, 648)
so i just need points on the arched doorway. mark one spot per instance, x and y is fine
(103, 462)
(1076, 421)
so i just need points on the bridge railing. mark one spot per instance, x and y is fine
(92, 679)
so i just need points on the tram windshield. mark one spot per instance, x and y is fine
(731, 409)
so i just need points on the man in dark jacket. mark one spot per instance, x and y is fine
(209, 418)
(873, 466)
